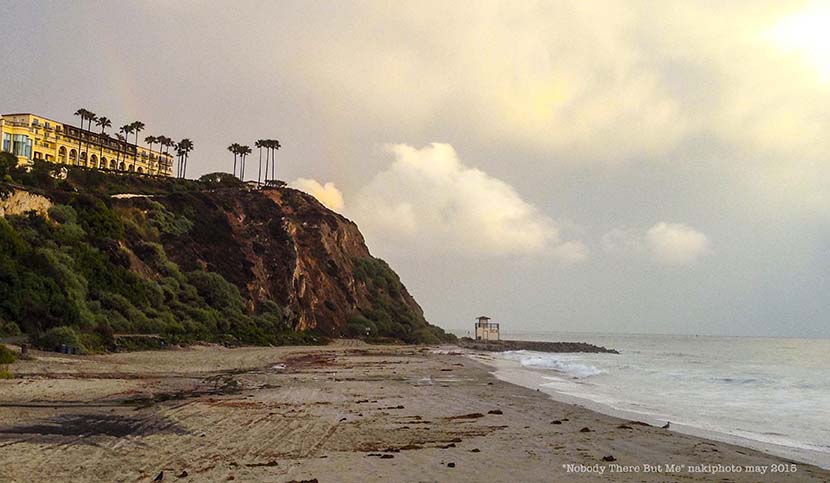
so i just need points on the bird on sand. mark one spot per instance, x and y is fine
(666, 426)
(159, 477)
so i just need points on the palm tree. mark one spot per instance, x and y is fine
(137, 126)
(161, 140)
(82, 114)
(121, 140)
(274, 145)
(90, 117)
(185, 146)
(244, 151)
(258, 144)
(104, 123)
(126, 129)
(234, 148)
(151, 140)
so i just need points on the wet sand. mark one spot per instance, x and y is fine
(341, 413)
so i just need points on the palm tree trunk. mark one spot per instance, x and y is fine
(234, 164)
(78, 156)
(88, 135)
(267, 151)
(259, 173)
(273, 165)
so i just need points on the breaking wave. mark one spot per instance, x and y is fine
(538, 360)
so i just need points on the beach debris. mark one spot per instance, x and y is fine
(586, 429)
(638, 423)
(495, 411)
(313, 480)
(387, 456)
(666, 426)
(394, 407)
(475, 450)
(257, 465)
(556, 421)
(159, 477)
(609, 458)
(342, 419)
(451, 445)
(278, 367)
(624, 426)
(450, 465)
(410, 446)
(467, 416)
(183, 474)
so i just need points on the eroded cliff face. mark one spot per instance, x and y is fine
(283, 246)
(18, 202)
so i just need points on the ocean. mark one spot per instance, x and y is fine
(771, 394)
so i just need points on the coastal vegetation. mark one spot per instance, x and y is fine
(94, 268)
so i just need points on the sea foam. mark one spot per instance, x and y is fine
(556, 362)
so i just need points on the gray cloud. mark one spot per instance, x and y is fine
(607, 114)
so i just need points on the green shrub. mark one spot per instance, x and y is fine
(8, 329)
(55, 337)
(63, 213)
(8, 162)
(6, 355)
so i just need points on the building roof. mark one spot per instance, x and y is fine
(483, 317)
(31, 114)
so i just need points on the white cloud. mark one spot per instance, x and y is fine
(664, 243)
(676, 243)
(429, 200)
(327, 194)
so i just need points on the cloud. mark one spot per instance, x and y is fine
(429, 200)
(664, 243)
(327, 194)
(676, 243)
(597, 81)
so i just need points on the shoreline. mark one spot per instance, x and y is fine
(344, 412)
(513, 373)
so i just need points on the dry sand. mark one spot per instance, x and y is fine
(346, 412)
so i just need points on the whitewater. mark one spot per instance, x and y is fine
(771, 394)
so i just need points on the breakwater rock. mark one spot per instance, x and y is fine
(517, 345)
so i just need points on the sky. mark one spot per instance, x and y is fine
(627, 167)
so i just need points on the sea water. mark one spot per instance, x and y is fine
(772, 394)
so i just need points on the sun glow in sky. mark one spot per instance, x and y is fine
(807, 34)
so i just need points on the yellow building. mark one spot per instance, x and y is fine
(31, 137)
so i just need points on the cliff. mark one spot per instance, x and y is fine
(208, 260)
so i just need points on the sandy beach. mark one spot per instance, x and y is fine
(340, 413)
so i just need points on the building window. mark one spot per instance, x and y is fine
(7, 142)
(22, 146)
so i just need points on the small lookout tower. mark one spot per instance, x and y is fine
(486, 330)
